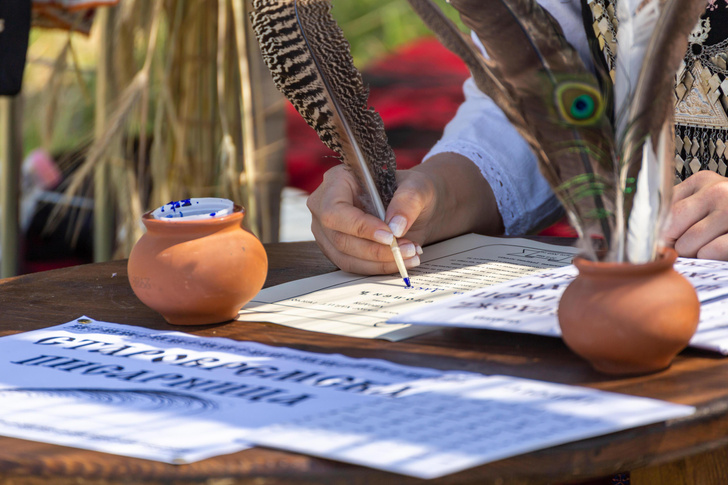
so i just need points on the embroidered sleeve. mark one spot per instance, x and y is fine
(481, 133)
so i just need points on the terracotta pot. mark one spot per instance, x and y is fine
(196, 264)
(629, 318)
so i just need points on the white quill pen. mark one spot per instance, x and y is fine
(648, 212)
(652, 38)
(637, 20)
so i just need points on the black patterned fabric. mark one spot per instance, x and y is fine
(701, 85)
(701, 97)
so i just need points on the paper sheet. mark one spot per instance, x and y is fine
(177, 398)
(529, 304)
(358, 306)
(461, 421)
(169, 396)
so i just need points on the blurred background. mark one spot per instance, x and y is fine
(126, 107)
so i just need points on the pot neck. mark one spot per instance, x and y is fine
(194, 226)
(665, 260)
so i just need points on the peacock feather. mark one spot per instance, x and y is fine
(606, 161)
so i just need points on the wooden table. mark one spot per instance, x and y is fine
(688, 451)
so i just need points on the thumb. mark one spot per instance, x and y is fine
(413, 195)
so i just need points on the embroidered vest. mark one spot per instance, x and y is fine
(701, 87)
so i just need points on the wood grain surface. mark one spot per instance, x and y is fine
(102, 291)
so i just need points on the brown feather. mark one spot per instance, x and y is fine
(529, 58)
(593, 173)
(311, 63)
(485, 74)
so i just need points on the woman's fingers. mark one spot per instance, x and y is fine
(699, 217)
(357, 255)
(352, 239)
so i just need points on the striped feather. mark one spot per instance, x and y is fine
(311, 64)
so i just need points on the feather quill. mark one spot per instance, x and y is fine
(311, 64)
(484, 73)
(536, 71)
(597, 172)
(636, 20)
(652, 198)
(650, 114)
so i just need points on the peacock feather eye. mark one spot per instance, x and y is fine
(579, 103)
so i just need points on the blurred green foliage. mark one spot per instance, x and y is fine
(377, 27)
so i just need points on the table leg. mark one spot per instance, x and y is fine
(709, 468)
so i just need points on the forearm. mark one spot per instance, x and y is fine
(464, 201)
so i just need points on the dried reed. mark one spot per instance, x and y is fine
(186, 116)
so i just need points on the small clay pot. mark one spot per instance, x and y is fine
(199, 267)
(629, 318)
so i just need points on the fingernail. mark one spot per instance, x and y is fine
(397, 225)
(408, 250)
(383, 237)
(412, 262)
(419, 250)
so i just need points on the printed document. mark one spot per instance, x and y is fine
(358, 306)
(178, 398)
(529, 304)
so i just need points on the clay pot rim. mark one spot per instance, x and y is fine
(665, 259)
(237, 213)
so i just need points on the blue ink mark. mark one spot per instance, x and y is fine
(407, 282)
(174, 205)
(212, 214)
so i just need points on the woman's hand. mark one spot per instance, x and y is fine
(698, 226)
(444, 197)
(359, 242)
